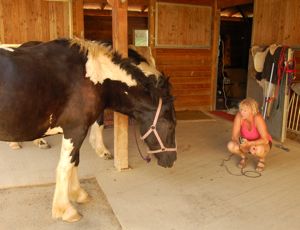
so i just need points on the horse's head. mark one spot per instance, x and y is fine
(158, 122)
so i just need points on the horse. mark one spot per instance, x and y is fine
(143, 59)
(63, 86)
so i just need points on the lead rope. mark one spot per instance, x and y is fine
(147, 158)
(246, 173)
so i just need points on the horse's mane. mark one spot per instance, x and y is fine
(158, 87)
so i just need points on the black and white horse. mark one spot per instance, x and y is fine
(63, 86)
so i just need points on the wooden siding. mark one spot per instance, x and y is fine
(100, 27)
(190, 74)
(191, 71)
(276, 21)
(25, 20)
(188, 25)
(78, 21)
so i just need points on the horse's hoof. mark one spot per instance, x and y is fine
(44, 146)
(108, 156)
(41, 143)
(71, 215)
(83, 197)
(104, 153)
(80, 197)
(15, 145)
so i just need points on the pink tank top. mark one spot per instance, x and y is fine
(251, 134)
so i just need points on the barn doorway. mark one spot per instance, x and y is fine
(234, 46)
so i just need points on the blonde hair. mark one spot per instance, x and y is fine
(249, 103)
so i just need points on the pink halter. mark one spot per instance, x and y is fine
(153, 129)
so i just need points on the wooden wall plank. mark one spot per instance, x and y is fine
(78, 18)
(24, 20)
(276, 21)
(1, 24)
(190, 74)
(291, 24)
(188, 25)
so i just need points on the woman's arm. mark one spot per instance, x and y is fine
(236, 128)
(263, 131)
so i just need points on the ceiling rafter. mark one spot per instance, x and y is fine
(102, 7)
(231, 3)
(104, 13)
(144, 8)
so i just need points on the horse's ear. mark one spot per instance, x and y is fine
(163, 82)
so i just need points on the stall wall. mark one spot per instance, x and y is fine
(183, 43)
(276, 21)
(25, 20)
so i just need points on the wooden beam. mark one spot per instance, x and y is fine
(144, 8)
(108, 13)
(95, 1)
(103, 6)
(214, 56)
(97, 13)
(77, 10)
(129, 2)
(231, 19)
(151, 26)
(120, 43)
(230, 3)
(189, 2)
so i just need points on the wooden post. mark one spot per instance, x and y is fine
(151, 26)
(120, 43)
(78, 19)
(214, 54)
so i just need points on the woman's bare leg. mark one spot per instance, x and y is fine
(260, 151)
(234, 148)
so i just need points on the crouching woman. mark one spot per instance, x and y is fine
(250, 134)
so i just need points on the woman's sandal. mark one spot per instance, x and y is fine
(260, 166)
(243, 162)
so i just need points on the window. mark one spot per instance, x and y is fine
(141, 37)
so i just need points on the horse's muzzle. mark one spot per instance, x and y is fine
(166, 159)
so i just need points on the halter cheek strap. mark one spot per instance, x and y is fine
(153, 129)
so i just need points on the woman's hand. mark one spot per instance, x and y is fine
(245, 146)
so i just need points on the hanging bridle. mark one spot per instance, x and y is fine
(153, 129)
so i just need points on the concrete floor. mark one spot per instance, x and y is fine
(197, 193)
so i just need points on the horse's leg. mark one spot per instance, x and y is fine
(41, 143)
(61, 207)
(96, 139)
(76, 193)
(15, 145)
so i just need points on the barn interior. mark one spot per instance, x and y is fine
(205, 48)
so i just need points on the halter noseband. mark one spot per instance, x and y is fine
(153, 129)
